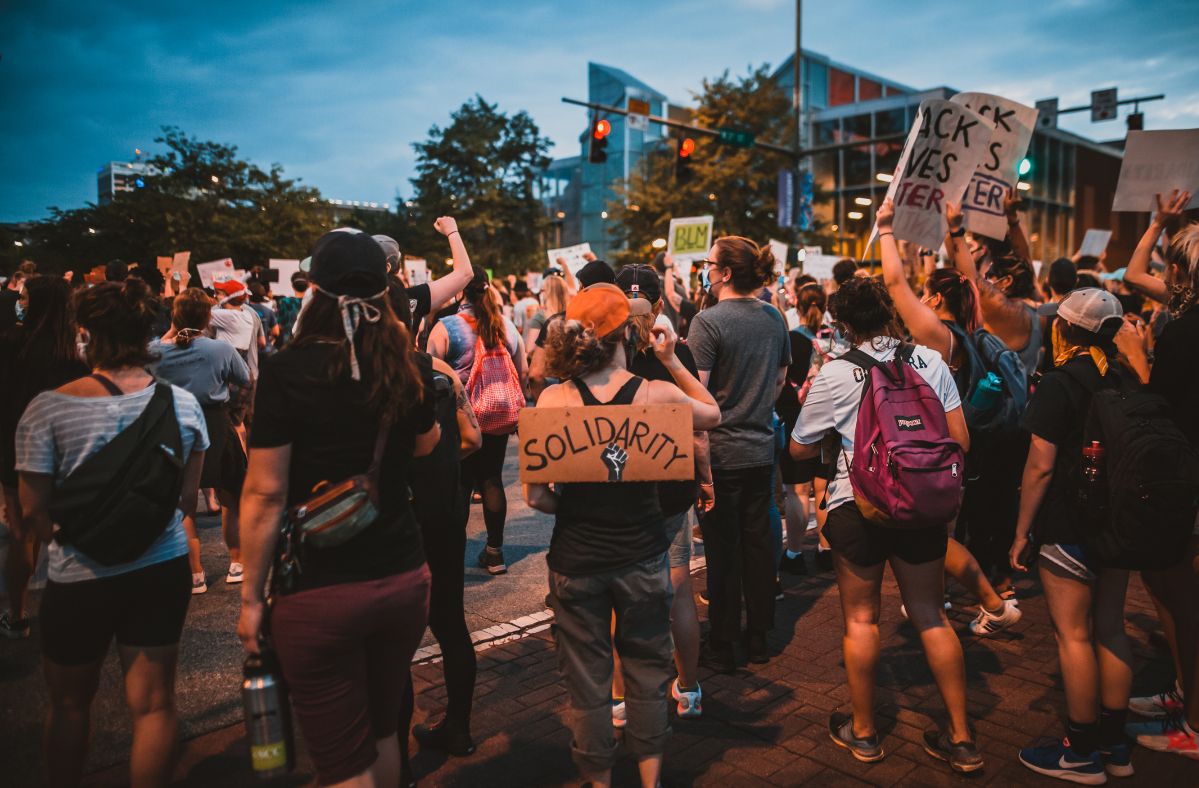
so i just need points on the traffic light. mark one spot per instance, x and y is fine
(682, 159)
(598, 148)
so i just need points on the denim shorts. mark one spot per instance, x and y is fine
(680, 540)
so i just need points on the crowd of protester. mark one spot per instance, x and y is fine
(393, 403)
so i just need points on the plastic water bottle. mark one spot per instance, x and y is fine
(268, 717)
(986, 393)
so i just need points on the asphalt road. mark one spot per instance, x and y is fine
(209, 678)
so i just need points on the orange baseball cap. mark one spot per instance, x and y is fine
(603, 308)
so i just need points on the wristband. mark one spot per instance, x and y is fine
(455, 232)
(958, 233)
(705, 484)
(884, 235)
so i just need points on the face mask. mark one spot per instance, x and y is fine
(704, 281)
(20, 312)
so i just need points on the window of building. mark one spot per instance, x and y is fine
(869, 89)
(858, 167)
(826, 132)
(840, 87)
(815, 78)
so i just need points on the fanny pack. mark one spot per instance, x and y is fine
(336, 513)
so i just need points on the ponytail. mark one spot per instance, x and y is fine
(811, 307)
(961, 297)
(489, 319)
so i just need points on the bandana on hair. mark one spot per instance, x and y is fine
(354, 310)
(1063, 351)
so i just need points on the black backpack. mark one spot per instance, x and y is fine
(119, 500)
(985, 353)
(1147, 516)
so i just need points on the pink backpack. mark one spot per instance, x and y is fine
(493, 389)
(906, 471)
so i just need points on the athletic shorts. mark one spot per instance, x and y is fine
(680, 540)
(225, 460)
(488, 461)
(141, 609)
(866, 543)
(1072, 559)
(802, 471)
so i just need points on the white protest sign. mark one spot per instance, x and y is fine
(939, 158)
(818, 265)
(1012, 126)
(572, 254)
(689, 238)
(1094, 243)
(1157, 162)
(779, 250)
(287, 269)
(534, 279)
(215, 270)
(417, 270)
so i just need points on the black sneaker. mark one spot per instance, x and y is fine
(824, 560)
(793, 566)
(755, 645)
(447, 738)
(13, 628)
(492, 559)
(840, 730)
(961, 756)
(719, 658)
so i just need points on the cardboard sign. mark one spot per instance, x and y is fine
(533, 279)
(210, 272)
(286, 269)
(819, 265)
(944, 148)
(1157, 162)
(572, 254)
(1094, 243)
(779, 250)
(417, 270)
(606, 443)
(1012, 126)
(689, 239)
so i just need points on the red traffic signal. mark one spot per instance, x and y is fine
(686, 147)
(602, 129)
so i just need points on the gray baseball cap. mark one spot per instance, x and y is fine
(1089, 308)
(391, 249)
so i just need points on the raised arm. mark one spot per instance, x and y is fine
(669, 290)
(443, 290)
(926, 327)
(1015, 231)
(1005, 317)
(1138, 276)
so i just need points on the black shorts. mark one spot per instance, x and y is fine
(143, 608)
(487, 462)
(225, 460)
(802, 471)
(866, 543)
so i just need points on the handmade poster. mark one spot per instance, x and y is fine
(572, 254)
(1012, 125)
(217, 270)
(689, 238)
(818, 265)
(533, 280)
(779, 250)
(286, 269)
(942, 151)
(1157, 162)
(1094, 243)
(608, 443)
(417, 270)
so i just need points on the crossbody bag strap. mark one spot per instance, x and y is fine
(107, 383)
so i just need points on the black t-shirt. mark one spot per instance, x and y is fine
(332, 433)
(8, 307)
(1175, 373)
(419, 303)
(675, 497)
(1057, 413)
(787, 405)
(433, 479)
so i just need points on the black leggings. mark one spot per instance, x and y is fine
(991, 501)
(483, 471)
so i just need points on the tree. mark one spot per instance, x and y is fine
(200, 197)
(481, 169)
(738, 186)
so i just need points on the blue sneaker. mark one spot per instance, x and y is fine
(1058, 760)
(1117, 759)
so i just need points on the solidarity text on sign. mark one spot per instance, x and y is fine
(607, 443)
(982, 203)
(690, 238)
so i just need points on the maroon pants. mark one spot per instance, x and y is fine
(345, 651)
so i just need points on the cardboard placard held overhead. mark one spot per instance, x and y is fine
(1012, 125)
(210, 272)
(417, 270)
(286, 269)
(689, 238)
(818, 265)
(779, 250)
(1094, 243)
(607, 443)
(1157, 162)
(573, 255)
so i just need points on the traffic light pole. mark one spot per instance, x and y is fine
(1120, 103)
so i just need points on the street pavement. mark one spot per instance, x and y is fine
(766, 725)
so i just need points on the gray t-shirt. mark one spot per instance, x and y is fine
(205, 368)
(743, 342)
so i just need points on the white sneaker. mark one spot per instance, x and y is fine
(690, 703)
(235, 573)
(1159, 706)
(1171, 735)
(988, 623)
(618, 715)
(199, 583)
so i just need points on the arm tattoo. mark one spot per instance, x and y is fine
(464, 406)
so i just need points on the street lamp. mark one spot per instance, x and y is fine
(885, 177)
(854, 214)
(603, 214)
(659, 243)
(17, 243)
(561, 214)
(862, 200)
(1023, 186)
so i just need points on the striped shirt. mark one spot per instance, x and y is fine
(59, 431)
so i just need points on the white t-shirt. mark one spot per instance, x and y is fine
(241, 328)
(836, 393)
(524, 309)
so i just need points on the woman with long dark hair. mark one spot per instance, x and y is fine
(344, 400)
(454, 340)
(36, 356)
(141, 603)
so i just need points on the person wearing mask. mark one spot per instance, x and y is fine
(344, 399)
(288, 307)
(142, 602)
(741, 347)
(429, 299)
(38, 356)
(206, 368)
(862, 547)
(1085, 599)
(454, 340)
(609, 548)
(944, 320)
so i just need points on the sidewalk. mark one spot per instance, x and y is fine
(768, 725)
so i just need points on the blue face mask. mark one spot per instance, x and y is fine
(704, 281)
(20, 312)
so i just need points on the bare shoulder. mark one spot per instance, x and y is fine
(663, 392)
(553, 397)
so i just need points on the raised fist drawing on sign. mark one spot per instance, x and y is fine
(615, 458)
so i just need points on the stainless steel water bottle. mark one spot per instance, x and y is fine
(268, 716)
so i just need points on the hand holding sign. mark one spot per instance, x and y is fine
(1170, 210)
(953, 216)
(885, 215)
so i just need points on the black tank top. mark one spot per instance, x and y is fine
(601, 527)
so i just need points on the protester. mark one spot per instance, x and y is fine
(206, 368)
(142, 601)
(608, 551)
(345, 398)
(288, 307)
(263, 306)
(741, 348)
(236, 323)
(38, 356)
(1062, 279)
(457, 340)
(1085, 599)
(428, 299)
(862, 547)
(553, 299)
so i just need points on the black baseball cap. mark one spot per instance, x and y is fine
(595, 272)
(640, 281)
(348, 263)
